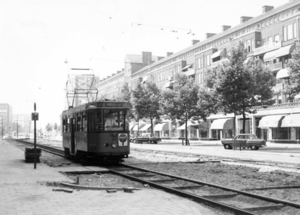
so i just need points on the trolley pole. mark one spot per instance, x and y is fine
(2, 127)
(35, 117)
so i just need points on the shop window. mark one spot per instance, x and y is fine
(281, 133)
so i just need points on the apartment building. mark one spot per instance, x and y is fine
(6, 118)
(272, 37)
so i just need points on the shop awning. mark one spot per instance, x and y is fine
(186, 67)
(283, 73)
(292, 120)
(222, 124)
(161, 127)
(218, 54)
(297, 96)
(270, 56)
(247, 60)
(188, 125)
(285, 50)
(135, 128)
(189, 72)
(145, 128)
(131, 126)
(144, 80)
(279, 52)
(169, 84)
(270, 121)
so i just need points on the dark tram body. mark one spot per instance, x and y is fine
(97, 129)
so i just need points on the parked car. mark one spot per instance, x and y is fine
(147, 137)
(249, 141)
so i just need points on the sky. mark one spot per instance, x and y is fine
(40, 40)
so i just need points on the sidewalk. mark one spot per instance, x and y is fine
(21, 194)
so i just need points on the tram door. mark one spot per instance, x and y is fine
(72, 123)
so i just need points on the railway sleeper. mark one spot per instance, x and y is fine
(261, 208)
(163, 180)
(220, 196)
(140, 175)
(188, 187)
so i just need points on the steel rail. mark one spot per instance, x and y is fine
(48, 149)
(196, 198)
(220, 187)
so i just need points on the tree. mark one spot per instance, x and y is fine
(126, 96)
(55, 126)
(48, 127)
(293, 88)
(181, 102)
(235, 87)
(145, 101)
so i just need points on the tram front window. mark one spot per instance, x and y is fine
(114, 120)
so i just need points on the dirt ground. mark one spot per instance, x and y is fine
(201, 168)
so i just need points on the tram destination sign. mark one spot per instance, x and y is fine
(112, 104)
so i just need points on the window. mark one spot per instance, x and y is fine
(276, 38)
(208, 60)
(115, 120)
(289, 32)
(79, 126)
(270, 40)
(249, 46)
(201, 62)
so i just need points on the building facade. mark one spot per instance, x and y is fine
(272, 37)
(6, 115)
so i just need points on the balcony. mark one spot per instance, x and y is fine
(217, 63)
(275, 66)
(267, 48)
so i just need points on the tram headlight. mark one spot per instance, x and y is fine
(114, 145)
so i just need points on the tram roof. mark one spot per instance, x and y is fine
(97, 105)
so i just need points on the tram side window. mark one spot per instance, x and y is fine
(84, 123)
(63, 125)
(99, 124)
(91, 122)
(79, 123)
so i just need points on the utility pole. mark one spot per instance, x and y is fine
(34, 117)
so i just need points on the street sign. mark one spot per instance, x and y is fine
(34, 116)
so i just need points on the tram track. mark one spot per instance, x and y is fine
(217, 196)
(225, 194)
(49, 149)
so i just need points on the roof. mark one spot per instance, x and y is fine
(133, 58)
(227, 32)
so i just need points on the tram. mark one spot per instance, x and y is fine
(97, 129)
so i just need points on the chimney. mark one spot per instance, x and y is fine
(195, 41)
(147, 58)
(266, 8)
(169, 53)
(245, 19)
(225, 27)
(208, 35)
